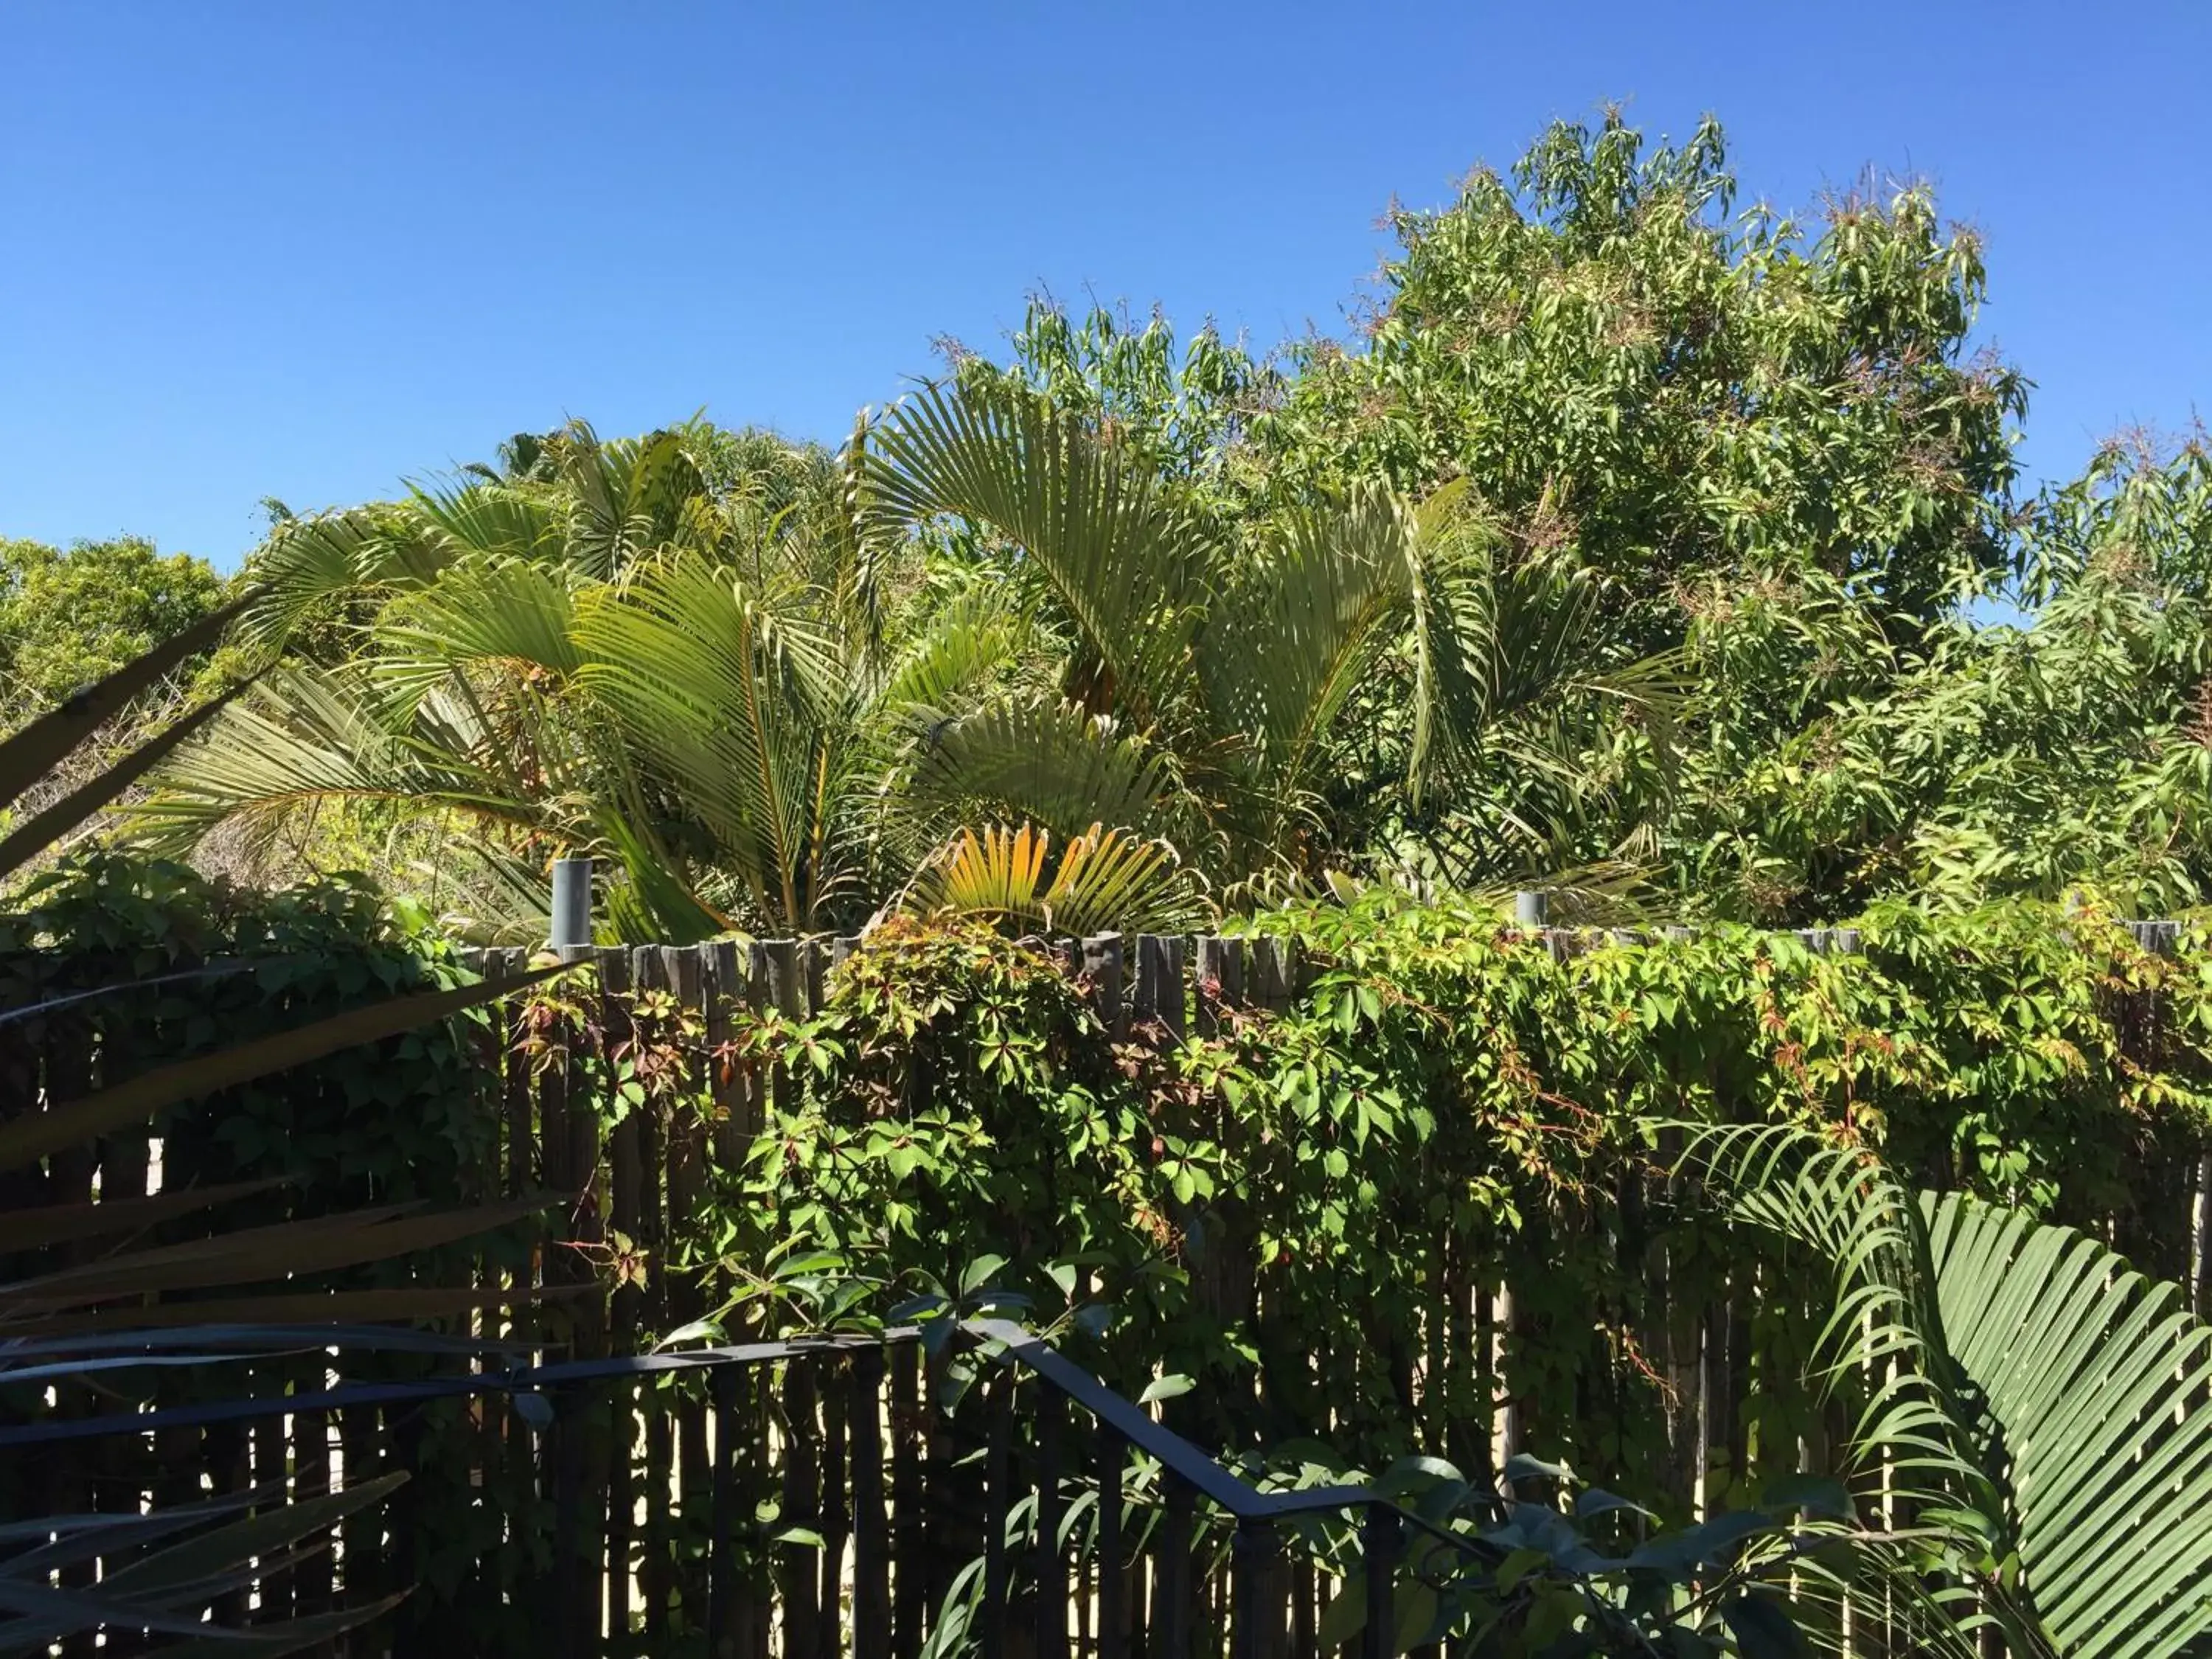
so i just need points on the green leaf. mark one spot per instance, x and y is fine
(808, 1262)
(1346, 1616)
(979, 1272)
(1707, 1543)
(1417, 1606)
(320, 1244)
(1593, 1502)
(1415, 1473)
(1522, 1467)
(1680, 1642)
(1518, 1564)
(699, 1330)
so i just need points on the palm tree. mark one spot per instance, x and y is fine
(2031, 1399)
(770, 710)
(620, 659)
(1204, 677)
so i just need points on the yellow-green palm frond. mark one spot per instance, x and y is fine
(1102, 880)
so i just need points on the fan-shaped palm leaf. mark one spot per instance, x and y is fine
(76, 1312)
(306, 561)
(737, 702)
(625, 497)
(979, 639)
(514, 521)
(303, 735)
(1103, 879)
(2095, 1376)
(483, 613)
(613, 503)
(2036, 1383)
(1048, 762)
(1094, 524)
(1293, 634)
(1494, 640)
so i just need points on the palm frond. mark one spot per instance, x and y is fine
(1491, 639)
(497, 519)
(1044, 762)
(738, 705)
(499, 611)
(975, 640)
(2095, 1376)
(626, 497)
(1095, 525)
(1295, 633)
(302, 736)
(163, 1573)
(1102, 880)
(2020, 1373)
(306, 562)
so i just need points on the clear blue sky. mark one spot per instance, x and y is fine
(303, 249)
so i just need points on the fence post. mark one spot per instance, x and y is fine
(1531, 909)
(572, 901)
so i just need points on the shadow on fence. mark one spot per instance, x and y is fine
(801, 1499)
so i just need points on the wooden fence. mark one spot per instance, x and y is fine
(481, 1534)
(649, 1175)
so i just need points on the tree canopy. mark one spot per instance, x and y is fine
(70, 617)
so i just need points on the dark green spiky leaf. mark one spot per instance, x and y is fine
(32, 1136)
(33, 752)
(1762, 1627)
(48, 824)
(240, 1542)
(60, 1224)
(266, 1639)
(253, 1254)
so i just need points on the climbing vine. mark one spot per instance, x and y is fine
(1316, 1212)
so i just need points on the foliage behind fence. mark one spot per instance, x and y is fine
(1386, 1176)
(1379, 1177)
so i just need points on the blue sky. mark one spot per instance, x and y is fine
(302, 250)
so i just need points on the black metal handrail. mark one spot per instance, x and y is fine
(1143, 1577)
(1138, 1428)
(1257, 1630)
(523, 1379)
